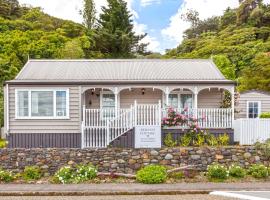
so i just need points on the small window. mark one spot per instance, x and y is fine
(42, 104)
(108, 101)
(253, 109)
(22, 104)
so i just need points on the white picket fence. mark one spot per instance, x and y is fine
(249, 131)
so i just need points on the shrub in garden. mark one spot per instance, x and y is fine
(211, 140)
(223, 140)
(152, 174)
(84, 173)
(185, 140)
(264, 147)
(169, 141)
(217, 172)
(6, 176)
(3, 143)
(236, 171)
(64, 175)
(258, 171)
(31, 173)
(265, 115)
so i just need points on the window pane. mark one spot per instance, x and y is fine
(22, 104)
(186, 100)
(61, 104)
(108, 101)
(173, 100)
(250, 104)
(255, 105)
(42, 103)
(250, 116)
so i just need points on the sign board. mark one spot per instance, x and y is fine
(147, 137)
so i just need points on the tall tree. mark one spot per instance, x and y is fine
(115, 36)
(89, 14)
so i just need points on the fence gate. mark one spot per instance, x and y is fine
(249, 131)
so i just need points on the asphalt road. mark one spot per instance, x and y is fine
(247, 195)
(145, 197)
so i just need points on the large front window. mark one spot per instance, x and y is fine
(181, 100)
(42, 103)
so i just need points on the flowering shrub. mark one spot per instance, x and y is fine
(174, 118)
(152, 174)
(258, 171)
(64, 175)
(236, 171)
(31, 173)
(217, 172)
(84, 173)
(6, 176)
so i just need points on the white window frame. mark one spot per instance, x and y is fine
(54, 90)
(179, 93)
(259, 109)
(101, 98)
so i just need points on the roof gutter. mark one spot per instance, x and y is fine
(119, 82)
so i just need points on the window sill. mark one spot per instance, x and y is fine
(42, 118)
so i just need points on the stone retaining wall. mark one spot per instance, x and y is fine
(128, 160)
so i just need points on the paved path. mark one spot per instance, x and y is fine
(146, 197)
(117, 189)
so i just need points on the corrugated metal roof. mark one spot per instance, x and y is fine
(120, 70)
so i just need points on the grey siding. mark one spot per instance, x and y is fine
(44, 140)
(210, 99)
(241, 105)
(37, 126)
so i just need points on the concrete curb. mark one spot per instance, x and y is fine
(85, 193)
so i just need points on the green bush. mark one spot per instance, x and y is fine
(217, 172)
(258, 171)
(169, 141)
(31, 173)
(236, 171)
(265, 115)
(6, 176)
(3, 143)
(211, 140)
(152, 174)
(84, 173)
(223, 140)
(185, 140)
(64, 175)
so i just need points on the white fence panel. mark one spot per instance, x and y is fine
(249, 131)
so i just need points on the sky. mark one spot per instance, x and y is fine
(160, 19)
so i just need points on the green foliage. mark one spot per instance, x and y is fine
(239, 45)
(236, 171)
(114, 36)
(264, 147)
(89, 14)
(223, 140)
(84, 173)
(177, 175)
(169, 141)
(185, 140)
(31, 173)
(6, 176)
(258, 171)
(211, 140)
(3, 143)
(265, 115)
(217, 172)
(64, 175)
(152, 174)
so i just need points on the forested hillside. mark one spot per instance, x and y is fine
(238, 41)
(30, 33)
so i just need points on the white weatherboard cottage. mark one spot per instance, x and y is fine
(92, 103)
